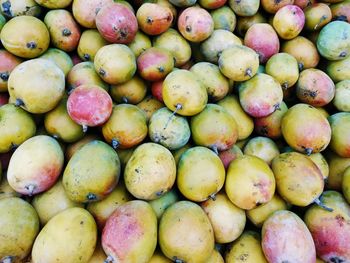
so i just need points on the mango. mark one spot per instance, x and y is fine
(70, 236)
(92, 172)
(246, 248)
(5, 189)
(150, 105)
(346, 184)
(321, 163)
(229, 155)
(246, 8)
(140, 43)
(185, 233)
(285, 237)
(89, 43)
(99, 255)
(8, 63)
(249, 182)
(60, 58)
(245, 22)
(84, 11)
(338, 70)
(54, 4)
(35, 165)
(200, 174)
(16, 127)
(160, 204)
(52, 202)
(178, 153)
(272, 7)
(288, 21)
(215, 257)
(130, 233)
(132, 91)
(72, 148)
(19, 226)
(228, 220)
(262, 147)
(224, 18)
(317, 16)
(15, 8)
(124, 156)
(323, 224)
(158, 257)
(337, 166)
(342, 96)
(340, 141)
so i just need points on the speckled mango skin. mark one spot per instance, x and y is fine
(68, 237)
(130, 233)
(285, 238)
(323, 224)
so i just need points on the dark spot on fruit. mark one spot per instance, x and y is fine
(137, 170)
(86, 57)
(123, 33)
(66, 32)
(336, 260)
(238, 1)
(340, 220)
(300, 66)
(102, 72)
(264, 130)
(31, 45)
(149, 20)
(294, 12)
(277, 2)
(285, 261)
(19, 103)
(244, 257)
(188, 29)
(82, 222)
(341, 18)
(177, 260)
(168, 18)
(4, 76)
(91, 197)
(343, 54)
(159, 193)
(161, 69)
(6, 8)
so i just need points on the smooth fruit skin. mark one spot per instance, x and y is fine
(312, 125)
(15, 8)
(346, 185)
(340, 125)
(85, 11)
(89, 43)
(8, 63)
(338, 70)
(180, 228)
(254, 187)
(35, 165)
(92, 173)
(342, 96)
(229, 155)
(321, 163)
(69, 237)
(150, 105)
(337, 167)
(317, 16)
(132, 91)
(262, 147)
(285, 237)
(162, 203)
(60, 58)
(224, 18)
(130, 233)
(246, 8)
(19, 224)
(323, 224)
(289, 21)
(117, 23)
(54, 4)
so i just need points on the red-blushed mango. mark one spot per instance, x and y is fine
(263, 39)
(73, 148)
(92, 173)
(8, 63)
(317, 16)
(303, 50)
(33, 40)
(130, 233)
(60, 58)
(336, 224)
(115, 63)
(184, 93)
(185, 233)
(150, 171)
(4, 98)
(69, 237)
(116, 23)
(315, 88)
(298, 179)
(85, 11)
(195, 24)
(229, 155)
(346, 185)
(212, 4)
(260, 96)
(89, 105)
(244, 23)
(54, 4)
(154, 19)
(246, 8)
(285, 238)
(103, 209)
(259, 214)
(150, 105)
(16, 126)
(310, 134)
(162, 203)
(37, 85)
(270, 126)
(342, 95)
(89, 43)
(246, 249)
(271, 6)
(64, 31)
(19, 227)
(262, 147)
(15, 8)
(321, 163)
(154, 64)
(200, 174)
(126, 128)
(132, 91)
(238, 63)
(303, 3)
(341, 11)
(249, 182)
(157, 90)
(337, 166)
(289, 21)
(35, 165)
(340, 125)
(214, 128)
(228, 220)
(84, 74)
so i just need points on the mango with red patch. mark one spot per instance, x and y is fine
(89, 105)
(8, 63)
(289, 21)
(212, 4)
(4, 99)
(85, 11)
(315, 88)
(154, 19)
(130, 233)
(330, 230)
(155, 64)
(35, 165)
(303, 3)
(341, 11)
(157, 90)
(117, 23)
(340, 125)
(263, 39)
(229, 155)
(285, 238)
(195, 24)
(272, 6)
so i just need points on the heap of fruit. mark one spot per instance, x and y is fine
(188, 131)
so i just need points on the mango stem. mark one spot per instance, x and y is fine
(109, 259)
(30, 188)
(7, 260)
(318, 202)
(178, 107)
(85, 128)
(115, 143)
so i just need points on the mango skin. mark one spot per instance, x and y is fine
(298, 179)
(92, 172)
(60, 58)
(130, 233)
(69, 237)
(84, 11)
(52, 202)
(36, 165)
(215, 257)
(181, 228)
(89, 43)
(337, 166)
(228, 220)
(158, 257)
(229, 155)
(150, 105)
(140, 43)
(54, 4)
(132, 91)
(246, 8)
(162, 203)
(340, 125)
(346, 184)
(99, 255)
(72, 148)
(336, 224)
(285, 237)
(339, 70)
(19, 226)
(321, 163)
(16, 127)
(342, 95)
(224, 18)
(262, 147)
(246, 249)
(256, 185)
(289, 21)
(8, 63)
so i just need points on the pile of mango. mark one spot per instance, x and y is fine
(178, 131)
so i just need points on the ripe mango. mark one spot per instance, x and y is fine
(340, 141)
(162, 203)
(321, 163)
(346, 184)
(262, 147)
(60, 58)
(132, 91)
(337, 166)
